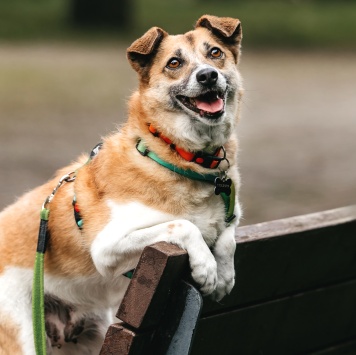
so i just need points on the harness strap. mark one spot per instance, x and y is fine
(78, 218)
(141, 147)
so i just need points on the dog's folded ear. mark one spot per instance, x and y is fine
(227, 29)
(141, 52)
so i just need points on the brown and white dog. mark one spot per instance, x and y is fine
(187, 102)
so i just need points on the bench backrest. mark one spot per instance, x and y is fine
(295, 293)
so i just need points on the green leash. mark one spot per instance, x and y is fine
(38, 316)
(38, 306)
(223, 186)
(38, 310)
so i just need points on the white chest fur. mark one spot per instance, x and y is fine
(133, 226)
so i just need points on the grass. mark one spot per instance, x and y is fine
(313, 24)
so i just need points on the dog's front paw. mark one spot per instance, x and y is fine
(225, 284)
(224, 251)
(204, 272)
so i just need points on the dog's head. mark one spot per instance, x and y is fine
(189, 84)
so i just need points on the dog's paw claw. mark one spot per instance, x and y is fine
(223, 288)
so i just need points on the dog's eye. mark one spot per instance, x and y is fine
(216, 52)
(173, 63)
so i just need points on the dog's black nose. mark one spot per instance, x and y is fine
(207, 76)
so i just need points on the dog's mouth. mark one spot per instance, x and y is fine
(209, 105)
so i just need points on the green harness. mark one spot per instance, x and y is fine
(223, 187)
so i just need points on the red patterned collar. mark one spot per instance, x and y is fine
(206, 160)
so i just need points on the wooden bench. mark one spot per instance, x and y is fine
(295, 293)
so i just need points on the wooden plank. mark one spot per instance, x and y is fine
(157, 272)
(121, 340)
(268, 268)
(296, 224)
(291, 325)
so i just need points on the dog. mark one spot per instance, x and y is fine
(150, 181)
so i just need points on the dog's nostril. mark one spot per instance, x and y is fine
(202, 78)
(214, 75)
(207, 76)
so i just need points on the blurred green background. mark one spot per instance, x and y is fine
(65, 82)
(283, 23)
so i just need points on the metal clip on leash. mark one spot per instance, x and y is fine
(38, 313)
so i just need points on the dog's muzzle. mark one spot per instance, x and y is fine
(208, 93)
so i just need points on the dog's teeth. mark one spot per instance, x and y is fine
(192, 101)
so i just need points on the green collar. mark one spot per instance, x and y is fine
(229, 199)
(142, 148)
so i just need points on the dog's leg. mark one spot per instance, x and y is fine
(224, 251)
(109, 256)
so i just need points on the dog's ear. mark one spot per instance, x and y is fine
(227, 29)
(141, 52)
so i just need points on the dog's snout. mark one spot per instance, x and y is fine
(207, 76)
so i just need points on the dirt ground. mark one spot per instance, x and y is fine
(297, 132)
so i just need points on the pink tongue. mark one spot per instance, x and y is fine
(212, 107)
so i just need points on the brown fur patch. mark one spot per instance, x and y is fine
(190, 39)
(20, 224)
(9, 337)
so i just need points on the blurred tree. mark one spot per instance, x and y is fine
(102, 13)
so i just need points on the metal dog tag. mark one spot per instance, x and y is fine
(222, 185)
